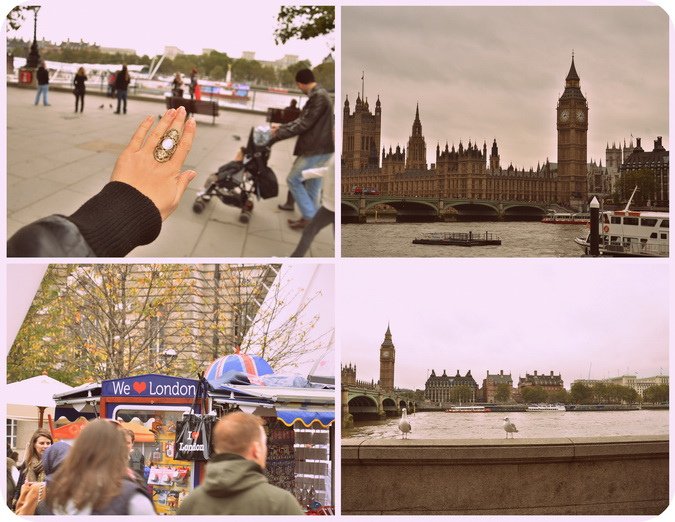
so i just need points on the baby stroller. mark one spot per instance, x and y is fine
(238, 181)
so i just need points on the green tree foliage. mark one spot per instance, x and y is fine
(217, 73)
(656, 394)
(533, 394)
(580, 394)
(304, 22)
(503, 393)
(461, 393)
(557, 396)
(325, 75)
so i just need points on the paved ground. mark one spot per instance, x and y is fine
(56, 160)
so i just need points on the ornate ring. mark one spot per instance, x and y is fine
(167, 146)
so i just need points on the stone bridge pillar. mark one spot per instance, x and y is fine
(362, 209)
(500, 212)
(347, 418)
(380, 407)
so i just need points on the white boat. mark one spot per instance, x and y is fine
(631, 233)
(561, 218)
(467, 409)
(546, 407)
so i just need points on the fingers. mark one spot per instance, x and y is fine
(160, 129)
(136, 141)
(185, 143)
(182, 183)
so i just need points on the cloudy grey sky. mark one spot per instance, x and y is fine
(481, 73)
(149, 25)
(480, 315)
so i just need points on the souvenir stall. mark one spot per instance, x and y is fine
(150, 405)
(299, 417)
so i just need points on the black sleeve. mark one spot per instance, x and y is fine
(110, 224)
(311, 113)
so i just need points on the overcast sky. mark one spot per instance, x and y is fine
(481, 73)
(480, 315)
(149, 25)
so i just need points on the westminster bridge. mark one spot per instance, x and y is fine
(430, 209)
(363, 400)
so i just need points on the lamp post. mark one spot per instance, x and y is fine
(595, 226)
(34, 56)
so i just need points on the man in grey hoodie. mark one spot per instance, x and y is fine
(235, 483)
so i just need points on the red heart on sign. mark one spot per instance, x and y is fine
(195, 435)
(139, 387)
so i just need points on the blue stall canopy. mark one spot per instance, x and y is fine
(311, 406)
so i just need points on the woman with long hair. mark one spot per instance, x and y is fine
(79, 89)
(93, 479)
(31, 468)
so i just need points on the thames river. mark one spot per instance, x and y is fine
(519, 239)
(440, 425)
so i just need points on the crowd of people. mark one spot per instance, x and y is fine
(99, 474)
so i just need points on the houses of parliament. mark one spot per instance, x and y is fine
(473, 171)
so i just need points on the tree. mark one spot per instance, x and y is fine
(304, 23)
(656, 394)
(533, 394)
(503, 392)
(15, 18)
(580, 394)
(557, 396)
(95, 322)
(644, 179)
(462, 393)
(217, 73)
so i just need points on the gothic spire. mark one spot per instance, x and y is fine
(572, 75)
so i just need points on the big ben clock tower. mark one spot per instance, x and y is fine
(387, 359)
(572, 118)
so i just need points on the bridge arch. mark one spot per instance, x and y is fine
(475, 211)
(363, 407)
(524, 212)
(389, 407)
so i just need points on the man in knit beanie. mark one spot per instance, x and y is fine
(313, 148)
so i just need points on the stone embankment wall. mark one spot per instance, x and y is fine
(579, 476)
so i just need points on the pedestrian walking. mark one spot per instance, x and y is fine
(43, 84)
(93, 479)
(313, 148)
(52, 458)
(79, 88)
(177, 86)
(235, 483)
(325, 215)
(122, 80)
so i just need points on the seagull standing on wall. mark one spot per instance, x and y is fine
(509, 427)
(403, 424)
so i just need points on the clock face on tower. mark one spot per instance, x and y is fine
(565, 115)
(580, 115)
(385, 354)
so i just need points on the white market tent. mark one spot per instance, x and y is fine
(36, 391)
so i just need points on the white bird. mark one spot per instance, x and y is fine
(509, 427)
(403, 424)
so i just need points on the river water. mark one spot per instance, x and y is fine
(440, 425)
(519, 239)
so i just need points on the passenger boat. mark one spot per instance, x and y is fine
(468, 409)
(560, 218)
(546, 407)
(630, 233)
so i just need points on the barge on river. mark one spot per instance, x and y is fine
(457, 239)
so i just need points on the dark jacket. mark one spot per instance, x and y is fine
(236, 486)
(79, 83)
(122, 80)
(42, 76)
(110, 224)
(314, 126)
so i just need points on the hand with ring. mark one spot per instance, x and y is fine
(152, 161)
